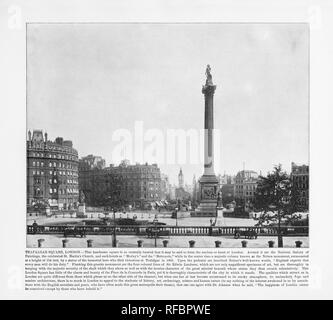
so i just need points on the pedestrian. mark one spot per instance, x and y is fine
(34, 227)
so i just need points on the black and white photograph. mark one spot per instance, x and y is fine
(165, 135)
(164, 155)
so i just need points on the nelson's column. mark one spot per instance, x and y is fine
(208, 182)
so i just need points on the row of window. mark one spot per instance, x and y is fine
(61, 173)
(246, 187)
(300, 170)
(39, 192)
(304, 194)
(37, 172)
(68, 173)
(54, 164)
(146, 196)
(249, 180)
(134, 177)
(69, 191)
(136, 170)
(248, 193)
(53, 148)
(143, 189)
(68, 181)
(137, 184)
(54, 156)
(303, 178)
(302, 185)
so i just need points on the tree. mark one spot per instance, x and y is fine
(278, 199)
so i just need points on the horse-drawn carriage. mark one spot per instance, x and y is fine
(248, 233)
(74, 231)
(154, 231)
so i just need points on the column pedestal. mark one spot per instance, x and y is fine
(48, 212)
(208, 197)
(220, 221)
(82, 211)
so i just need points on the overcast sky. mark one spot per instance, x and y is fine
(87, 80)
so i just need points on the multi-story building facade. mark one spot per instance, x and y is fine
(91, 178)
(228, 193)
(246, 185)
(137, 185)
(300, 180)
(227, 187)
(52, 171)
(165, 187)
(141, 184)
(91, 161)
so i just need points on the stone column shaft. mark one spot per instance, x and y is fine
(208, 91)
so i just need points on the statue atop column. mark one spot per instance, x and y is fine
(209, 80)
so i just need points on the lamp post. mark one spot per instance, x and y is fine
(176, 210)
(216, 214)
(114, 236)
(155, 229)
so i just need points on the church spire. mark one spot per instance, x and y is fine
(180, 179)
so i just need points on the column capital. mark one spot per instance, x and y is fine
(208, 89)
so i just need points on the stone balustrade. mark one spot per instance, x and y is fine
(168, 230)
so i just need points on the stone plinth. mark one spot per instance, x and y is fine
(220, 221)
(48, 211)
(219, 212)
(82, 211)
